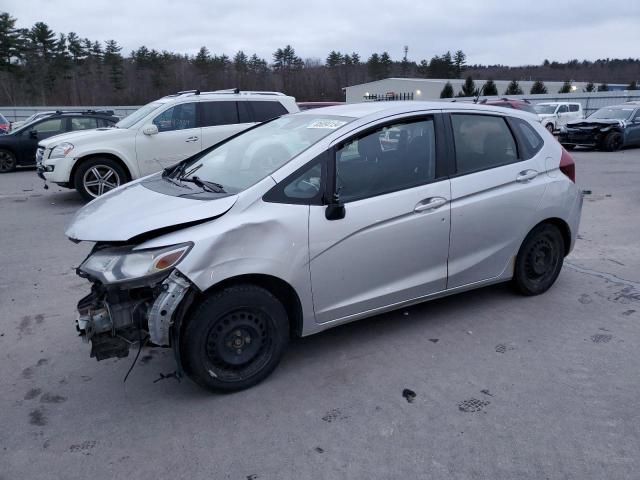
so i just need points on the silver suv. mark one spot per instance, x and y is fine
(316, 219)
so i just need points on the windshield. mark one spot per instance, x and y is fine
(612, 113)
(138, 115)
(546, 109)
(250, 157)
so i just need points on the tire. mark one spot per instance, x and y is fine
(234, 339)
(612, 142)
(7, 161)
(569, 147)
(97, 176)
(549, 126)
(539, 260)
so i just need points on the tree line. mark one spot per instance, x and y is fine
(41, 67)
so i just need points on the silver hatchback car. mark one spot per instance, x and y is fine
(319, 218)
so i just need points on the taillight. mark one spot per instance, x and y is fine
(568, 166)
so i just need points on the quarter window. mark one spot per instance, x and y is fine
(482, 142)
(83, 123)
(563, 109)
(266, 110)
(178, 117)
(219, 113)
(530, 141)
(388, 159)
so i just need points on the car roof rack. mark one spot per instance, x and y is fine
(85, 112)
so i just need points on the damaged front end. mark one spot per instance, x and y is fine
(137, 296)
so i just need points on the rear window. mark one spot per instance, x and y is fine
(266, 110)
(530, 141)
(218, 113)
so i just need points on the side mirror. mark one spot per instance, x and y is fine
(335, 209)
(150, 130)
(33, 133)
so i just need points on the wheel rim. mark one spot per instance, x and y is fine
(239, 344)
(100, 179)
(7, 161)
(542, 259)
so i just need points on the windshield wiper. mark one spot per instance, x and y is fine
(204, 184)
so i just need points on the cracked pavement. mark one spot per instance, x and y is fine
(484, 385)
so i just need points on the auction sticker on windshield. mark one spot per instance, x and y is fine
(331, 124)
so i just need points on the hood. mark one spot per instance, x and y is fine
(599, 122)
(98, 134)
(133, 209)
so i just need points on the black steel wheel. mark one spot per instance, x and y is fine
(235, 338)
(539, 260)
(7, 161)
(613, 142)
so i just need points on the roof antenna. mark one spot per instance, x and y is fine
(236, 90)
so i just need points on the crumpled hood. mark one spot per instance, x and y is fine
(134, 209)
(98, 134)
(600, 122)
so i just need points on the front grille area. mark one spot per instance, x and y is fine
(39, 154)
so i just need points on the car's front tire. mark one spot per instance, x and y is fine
(549, 126)
(235, 338)
(612, 142)
(539, 260)
(97, 176)
(7, 161)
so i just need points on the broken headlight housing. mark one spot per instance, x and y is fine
(122, 264)
(61, 150)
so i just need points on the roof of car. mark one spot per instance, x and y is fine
(360, 110)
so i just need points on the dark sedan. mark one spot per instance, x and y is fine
(609, 128)
(19, 147)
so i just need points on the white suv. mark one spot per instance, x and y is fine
(156, 136)
(554, 115)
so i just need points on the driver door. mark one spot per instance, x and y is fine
(563, 116)
(178, 137)
(392, 244)
(38, 132)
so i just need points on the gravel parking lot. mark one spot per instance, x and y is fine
(501, 386)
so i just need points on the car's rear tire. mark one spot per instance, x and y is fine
(539, 260)
(235, 338)
(612, 142)
(549, 126)
(97, 176)
(7, 161)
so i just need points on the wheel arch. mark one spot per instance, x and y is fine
(564, 228)
(279, 288)
(111, 156)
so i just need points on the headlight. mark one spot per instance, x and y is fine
(114, 265)
(62, 150)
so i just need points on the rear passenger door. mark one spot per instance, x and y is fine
(219, 120)
(83, 123)
(495, 192)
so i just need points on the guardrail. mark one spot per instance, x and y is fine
(16, 114)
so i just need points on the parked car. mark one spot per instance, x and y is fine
(310, 105)
(5, 125)
(609, 128)
(20, 145)
(31, 118)
(218, 256)
(524, 105)
(554, 115)
(155, 137)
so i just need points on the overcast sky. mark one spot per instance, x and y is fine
(510, 32)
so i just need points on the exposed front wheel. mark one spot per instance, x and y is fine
(98, 176)
(549, 126)
(235, 338)
(7, 161)
(539, 260)
(613, 142)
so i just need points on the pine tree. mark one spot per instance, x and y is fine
(513, 88)
(590, 87)
(633, 86)
(566, 87)
(113, 60)
(335, 59)
(241, 67)
(373, 66)
(490, 89)
(385, 65)
(12, 42)
(603, 87)
(468, 88)
(447, 91)
(459, 60)
(538, 88)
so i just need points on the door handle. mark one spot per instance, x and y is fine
(430, 204)
(526, 176)
(191, 139)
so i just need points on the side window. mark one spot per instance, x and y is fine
(83, 123)
(178, 117)
(482, 142)
(574, 108)
(49, 126)
(218, 113)
(102, 123)
(530, 141)
(563, 109)
(388, 159)
(244, 113)
(266, 110)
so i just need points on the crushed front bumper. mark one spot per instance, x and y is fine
(113, 318)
